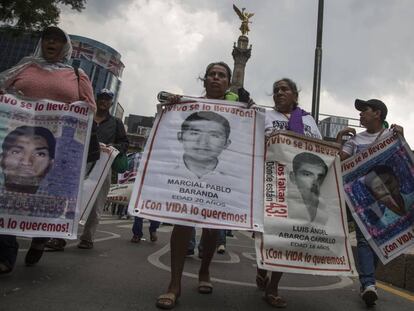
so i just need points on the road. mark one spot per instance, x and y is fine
(119, 275)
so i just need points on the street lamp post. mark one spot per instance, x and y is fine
(318, 64)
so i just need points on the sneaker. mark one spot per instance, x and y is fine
(83, 244)
(221, 249)
(369, 295)
(153, 236)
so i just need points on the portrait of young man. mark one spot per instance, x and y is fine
(27, 156)
(384, 186)
(309, 172)
(204, 135)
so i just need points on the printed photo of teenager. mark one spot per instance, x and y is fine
(204, 136)
(28, 154)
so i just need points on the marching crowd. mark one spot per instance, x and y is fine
(46, 74)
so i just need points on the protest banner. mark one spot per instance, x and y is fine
(95, 178)
(133, 163)
(43, 160)
(379, 187)
(305, 227)
(203, 166)
(120, 193)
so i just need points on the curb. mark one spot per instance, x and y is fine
(399, 272)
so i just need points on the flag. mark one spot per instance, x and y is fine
(82, 50)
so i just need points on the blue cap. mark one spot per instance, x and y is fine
(106, 92)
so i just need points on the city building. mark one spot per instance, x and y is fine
(119, 111)
(100, 62)
(138, 129)
(330, 126)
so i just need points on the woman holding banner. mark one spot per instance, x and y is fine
(285, 115)
(44, 75)
(216, 83)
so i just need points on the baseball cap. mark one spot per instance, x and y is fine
(105, 92)
(53, 30)
(375, 104)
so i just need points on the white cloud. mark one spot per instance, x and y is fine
(368, 51)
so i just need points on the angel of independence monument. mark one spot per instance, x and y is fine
(242, 51)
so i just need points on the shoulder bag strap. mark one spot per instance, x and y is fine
(76, 69)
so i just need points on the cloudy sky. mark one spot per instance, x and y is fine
(368, 49)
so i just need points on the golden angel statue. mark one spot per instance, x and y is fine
(244, 17)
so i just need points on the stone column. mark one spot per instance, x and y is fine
(241, 53)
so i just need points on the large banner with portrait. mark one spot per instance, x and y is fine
(305, 227)
(42, 163)
(379, 188)
(203, 166)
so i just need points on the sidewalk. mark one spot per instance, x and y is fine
(399, 272)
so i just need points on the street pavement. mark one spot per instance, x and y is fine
(119, 275)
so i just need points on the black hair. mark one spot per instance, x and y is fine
(310, 158)
(378, 171)
(222, 64)
(209, 116)
(10, 139)
(292, 85)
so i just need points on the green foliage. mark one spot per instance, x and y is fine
(34, 14)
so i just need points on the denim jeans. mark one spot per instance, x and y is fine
(222, 237)
(137, 227)
(193, 242)
(367, 260)
(8, 249)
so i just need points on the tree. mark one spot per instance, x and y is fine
(35, 14)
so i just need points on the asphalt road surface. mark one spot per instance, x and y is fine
(119, 275)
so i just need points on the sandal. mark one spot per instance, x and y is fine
(262, 282)
(56, 244)
(166, 301)
(275, 301)
(205, 287)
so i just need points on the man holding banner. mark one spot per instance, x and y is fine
(372, 116)
(110, 131)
